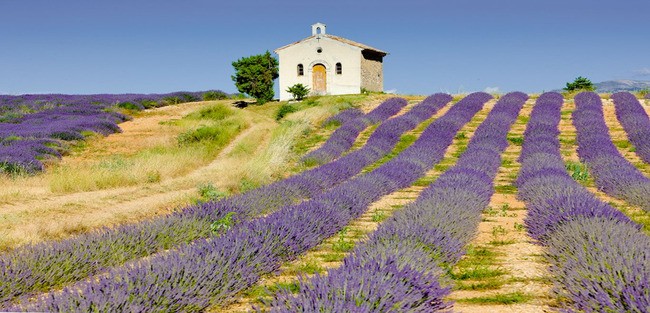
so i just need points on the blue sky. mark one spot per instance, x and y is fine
(147, 46)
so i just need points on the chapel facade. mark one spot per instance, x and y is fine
(330, 65)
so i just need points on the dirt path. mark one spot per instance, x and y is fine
(40, 217)
(503, 270)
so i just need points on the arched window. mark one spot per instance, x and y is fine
(301, 70)
(339, 68)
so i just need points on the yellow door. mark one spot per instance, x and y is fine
(319, 84)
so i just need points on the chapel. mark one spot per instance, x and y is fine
(330, 65)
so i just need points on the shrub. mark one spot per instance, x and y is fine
(214, 95)
(219, 134)
(298, 91)
(214, 112)
(580, 84)
(284, 110)
(172, 100)
(130, 106)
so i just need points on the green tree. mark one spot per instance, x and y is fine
(580, 83)
(254, 76)
(298, 91)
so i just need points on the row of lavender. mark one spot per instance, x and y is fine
(31, 103)
(29, 268)
(399, 268)
(635, 121)
(32, 126)
(343, 138)
(212, 272)
(612, 173)
(27, 140)
(599, 258)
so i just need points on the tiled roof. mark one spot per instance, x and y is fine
(337, 38)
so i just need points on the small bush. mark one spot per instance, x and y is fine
(150, 104)
(218, 134)
(209, 192)
(214, 95)
(186, 97)
(298, 91)
(131, 106)
(284, 110)
(172, 100)
(213, 112)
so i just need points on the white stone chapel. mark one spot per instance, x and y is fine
(330, 65)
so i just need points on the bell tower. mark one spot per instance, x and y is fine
(318, 29)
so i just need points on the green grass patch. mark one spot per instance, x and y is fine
(488, 284)
(578, 171)
(523, 119)
(378, 216)
(477, 272)
(310, 268)
(342, 244)
(404, 142)
(505, 189)
(568, 141)
(332, 257)
(504, 298)
(500, 242)
(516, 140)
(622, 144)
(459, 151)
(215, 112)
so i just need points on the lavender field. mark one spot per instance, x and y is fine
(472, 203)
(33, 128)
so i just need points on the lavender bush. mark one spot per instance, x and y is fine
(612, 173)
(598, 256)
(344, 116)
(94, 252)
(635, 121)
(343, 138)
(399, 267)
(211, 271)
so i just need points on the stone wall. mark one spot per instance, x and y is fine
(372, 71)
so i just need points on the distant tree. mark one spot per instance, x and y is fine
(298, 91)
(254, 76)
(580, 83)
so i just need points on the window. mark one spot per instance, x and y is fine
(301, 70)
(339, 68)
(319, 50)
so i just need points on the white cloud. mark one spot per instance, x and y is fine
(390, 91)
(492, 89)
(643, 72)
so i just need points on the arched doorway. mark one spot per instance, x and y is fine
(319, 79)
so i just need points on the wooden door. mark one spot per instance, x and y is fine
(319, 76)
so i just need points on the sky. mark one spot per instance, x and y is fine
(159, 46)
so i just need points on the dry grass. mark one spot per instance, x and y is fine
(143, 172)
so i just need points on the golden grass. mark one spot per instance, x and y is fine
(167, 158)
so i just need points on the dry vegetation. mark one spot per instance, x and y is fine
(144, 171)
